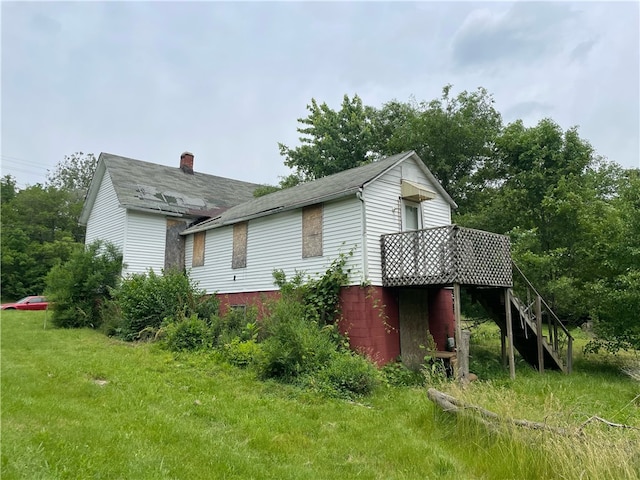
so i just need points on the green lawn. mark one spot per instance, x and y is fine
(78, 405)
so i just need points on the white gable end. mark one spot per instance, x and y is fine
(383, 200)
(107, 219)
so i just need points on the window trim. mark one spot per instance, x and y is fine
(418, 207)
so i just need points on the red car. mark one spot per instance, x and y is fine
(27, 303)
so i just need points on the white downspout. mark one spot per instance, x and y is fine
(365, 248)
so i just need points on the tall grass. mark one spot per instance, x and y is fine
(76, 404)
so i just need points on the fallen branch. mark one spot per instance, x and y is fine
(606, 422)
(454, 405)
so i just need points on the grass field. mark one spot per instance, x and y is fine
(78, 405)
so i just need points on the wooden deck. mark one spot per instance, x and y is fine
(444, 256)
(481, 262)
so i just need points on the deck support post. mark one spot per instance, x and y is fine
(503, 347)
(462, 347)
(539, 334)
(507, 306)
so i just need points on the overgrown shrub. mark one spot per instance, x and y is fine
(188, 334)
(206, 306)
(235, 323)
(79, 287)
(242, 353)
(320, 296)
(350, 374)
(303, 344)
(147, 299)
(396, 374)
(295, 345)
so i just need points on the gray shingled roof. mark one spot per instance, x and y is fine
(327, 188)
(148, 186)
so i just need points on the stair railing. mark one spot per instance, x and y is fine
(538, 311)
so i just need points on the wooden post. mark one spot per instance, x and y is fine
(570, 355)
(457, 318)
(463, 360)
(507, 306)
(539, 334)
(503, 347)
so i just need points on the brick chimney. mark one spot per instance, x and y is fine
(186, 162)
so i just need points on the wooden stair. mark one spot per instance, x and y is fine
(538, 335)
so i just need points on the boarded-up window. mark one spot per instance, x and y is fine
(312, 231)
(174, 245)
(239, 245)
(198, 249)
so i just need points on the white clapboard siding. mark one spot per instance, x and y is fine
(275, 242)
(145, 237)
(435, 212)
(384, 211)
(107, 219)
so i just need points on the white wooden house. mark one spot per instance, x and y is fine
(407, 261)
(142, 207)
(306, 227)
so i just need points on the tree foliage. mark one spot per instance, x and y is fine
(74, 173)
(39, 230)
(453, 135)
(40, 224)
(332, 141)
(80, 287)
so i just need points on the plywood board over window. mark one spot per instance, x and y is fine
(312, 231)
(174, 245)
(198, 249)
(239, 245)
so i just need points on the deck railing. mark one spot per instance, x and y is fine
(446, 255)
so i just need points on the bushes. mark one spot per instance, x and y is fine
(303, 345)
(300, 351)
(80, 287)
(297, 342)
(147, 299)
(350, 374)
(294, 345)
(189, 334)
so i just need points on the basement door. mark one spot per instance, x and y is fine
(414, 326)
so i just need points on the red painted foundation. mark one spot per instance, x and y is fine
(369, 317)
(257, 299)
(441, 317)
(370, 320)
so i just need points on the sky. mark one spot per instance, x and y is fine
(229, 80)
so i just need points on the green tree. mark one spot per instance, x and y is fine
(37, 232)
(74, 173)
(563, 207)
(80, 286)
(616, 295)
(7, 189)
(40, 224)
(454, 135)
(332, 141)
